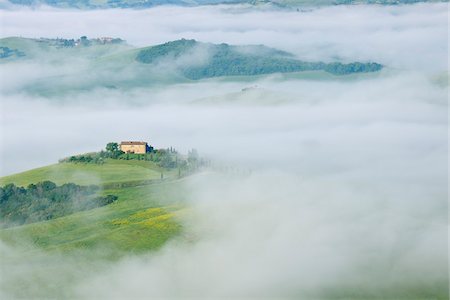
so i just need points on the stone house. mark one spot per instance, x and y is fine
(134, 147)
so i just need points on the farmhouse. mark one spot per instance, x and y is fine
(134, 147)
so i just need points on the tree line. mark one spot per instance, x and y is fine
(45, 201)
(166, 158)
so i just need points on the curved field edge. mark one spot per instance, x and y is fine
(111, 171)
(143, 218)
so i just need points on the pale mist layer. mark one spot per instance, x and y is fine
(347, 190)
(337, 187)
(404, 36)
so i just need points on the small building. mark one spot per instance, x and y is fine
(134, 147)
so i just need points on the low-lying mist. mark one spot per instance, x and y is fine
(275, 234)
(340, 189)
(320, 186)
(403, 36)
(293, 123)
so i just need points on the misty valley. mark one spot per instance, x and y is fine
(287, 149)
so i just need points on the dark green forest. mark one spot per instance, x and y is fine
(227, 60)
(45, 200)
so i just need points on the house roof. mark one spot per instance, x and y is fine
(133, 143)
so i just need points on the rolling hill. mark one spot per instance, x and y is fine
(81, 65)
(142, 219)
(113, 171)
(227, 60)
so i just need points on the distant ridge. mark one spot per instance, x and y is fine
(140, 4)
(111, 63)
(227, 60)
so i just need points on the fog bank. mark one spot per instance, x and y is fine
(320, 187)
(340, 190)
(404, 36)
(278, 235)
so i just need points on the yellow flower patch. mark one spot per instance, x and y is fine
(152, 217)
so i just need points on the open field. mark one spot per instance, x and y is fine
(85, 174)
(143, 218)
(61, 252)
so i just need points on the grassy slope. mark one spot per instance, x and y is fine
(22, 44)
(143, 218)
(85, 174)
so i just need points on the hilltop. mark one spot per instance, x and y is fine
(110, 63)
(125, 204)
(219, 60)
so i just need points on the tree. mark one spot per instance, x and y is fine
(112, 150)
(193, 156)
(167, 161)
(45, 200)
(112, 147)
(84, 41)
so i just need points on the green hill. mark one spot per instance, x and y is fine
(143, 218)
(83, 65)
(59, 50)
(113, 171)
(228, 60)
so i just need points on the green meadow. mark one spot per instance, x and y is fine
(144, 217)
(84, 174)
